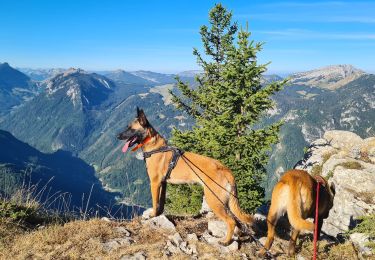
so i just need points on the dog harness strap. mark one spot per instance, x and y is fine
(176, 154)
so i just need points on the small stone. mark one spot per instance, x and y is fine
(176, 238)
(106, 219)
(172, 248)
(137, 256)
(116, 243)
(123, 231)
(262, 240)
(193, 248)
(233, 246)
(147, 213)
(192, 237)
(210, 239)
(110, 245)
(217, 228)
(160, 222)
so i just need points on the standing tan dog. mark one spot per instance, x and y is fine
(186, 171)
(295, 194)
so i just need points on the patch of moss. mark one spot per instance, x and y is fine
(316, 170)
(352, 165)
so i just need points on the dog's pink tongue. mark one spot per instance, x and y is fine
(126, 146)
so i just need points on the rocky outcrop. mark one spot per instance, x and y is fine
(348, 161)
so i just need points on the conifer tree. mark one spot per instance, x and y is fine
(228, 103)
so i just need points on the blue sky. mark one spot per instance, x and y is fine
(160, 35)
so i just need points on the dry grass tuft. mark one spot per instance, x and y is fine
(352, 165)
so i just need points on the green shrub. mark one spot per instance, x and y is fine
(367, 227)
(15, 212)
(316, 170)
(184, 199)
(329, 175)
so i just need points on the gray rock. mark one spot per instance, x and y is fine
(214, 241)
(343, 140)
(233, 246)
(123, 231)
(174, 249)
(137, 256)
(217, 228)
(210, 239)
(355, 188)
(160, 222)
(116, 243)
(192, 237)
(176, 238)
(360, 240)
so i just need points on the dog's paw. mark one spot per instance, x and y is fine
(225, 243)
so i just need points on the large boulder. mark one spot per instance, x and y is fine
(346, 160)
(343, 140)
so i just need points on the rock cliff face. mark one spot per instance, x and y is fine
(348, 161)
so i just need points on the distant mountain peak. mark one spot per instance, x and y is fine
(80, 86)
(329, 77)
(71, 71)
(5, 64)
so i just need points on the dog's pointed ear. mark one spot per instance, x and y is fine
(142, 117)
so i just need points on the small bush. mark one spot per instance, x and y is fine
(367, 227)
(329, 175)
(14, 212)
(184, 200)
(316, 170)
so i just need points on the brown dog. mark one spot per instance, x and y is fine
(295, 194)
(211, 171)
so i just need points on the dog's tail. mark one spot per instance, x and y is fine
(294, 209)
(234, 207)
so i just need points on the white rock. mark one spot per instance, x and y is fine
(205, 208)
(233, 246)
(106, 219)
(343, 139)
(147, 213)
(116, 243)
(192, 237)
(216, 242)
(160, 222)
(360, 240)
(217, 228)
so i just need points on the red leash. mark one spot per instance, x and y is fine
(316, 218)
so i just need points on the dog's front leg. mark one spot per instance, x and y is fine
(155, 193)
